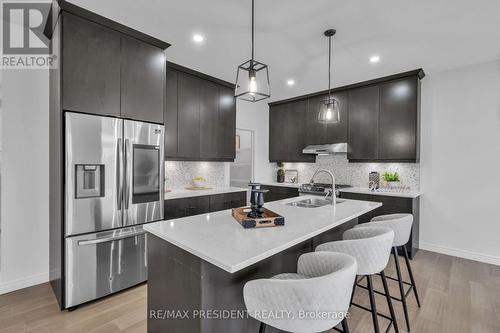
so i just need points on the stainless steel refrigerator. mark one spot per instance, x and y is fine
(113, 185)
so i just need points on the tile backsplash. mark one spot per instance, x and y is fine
(180, 174)
(356, 174)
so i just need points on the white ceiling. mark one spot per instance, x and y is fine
(407, 34)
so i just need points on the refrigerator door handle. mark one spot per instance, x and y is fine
(126, 176)
(110, 238)
(119, 186)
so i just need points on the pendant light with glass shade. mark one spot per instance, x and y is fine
(329, 112)
(252, 77)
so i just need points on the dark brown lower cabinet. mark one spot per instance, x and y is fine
(279, 192)
(392, 205)
(227, 201)
(178, 279)
(182, 207)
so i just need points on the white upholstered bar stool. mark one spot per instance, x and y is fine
(322, 286)
(401, 224)
(372, 249)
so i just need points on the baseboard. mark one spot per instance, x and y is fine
(460, 253)
(9, 286)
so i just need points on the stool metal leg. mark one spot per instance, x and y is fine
(373, 304)
(345, 327)
(401, 288)
(354, 289)
(389, 302)
(408, 266)
(262, 328)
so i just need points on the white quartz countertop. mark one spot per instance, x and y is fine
(177, 193)
(220, 240)
(360, 190)
(295, 185)
(387, 192)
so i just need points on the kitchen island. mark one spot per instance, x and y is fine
(197, 265)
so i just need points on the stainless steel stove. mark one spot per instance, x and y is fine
(320, 188)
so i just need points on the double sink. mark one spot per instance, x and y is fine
(312, 202)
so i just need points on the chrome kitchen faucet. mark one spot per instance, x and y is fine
(328, 191)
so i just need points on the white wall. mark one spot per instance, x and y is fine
(460, 162)
(25, 187)
(255, 116)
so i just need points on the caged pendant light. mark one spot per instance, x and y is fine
(252, 77)
(329, 112)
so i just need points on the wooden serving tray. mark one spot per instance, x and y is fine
(270, 219)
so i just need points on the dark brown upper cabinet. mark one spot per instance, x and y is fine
(91, 67)
(227, 124)
(200, 115)
(320, 133)
(287, 132)
(363, 123)
(384, 121)
(92, 60)
(209, 119)
(108, 73)
(188, 116)
(171, 113)
(379, 120)
(142, 81)
(277, 133)
(399, 120)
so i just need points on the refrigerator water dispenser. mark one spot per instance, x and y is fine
(89, 182)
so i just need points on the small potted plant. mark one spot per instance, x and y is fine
(392, 179)
(281, 172)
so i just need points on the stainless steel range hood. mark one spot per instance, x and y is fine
(327, 149)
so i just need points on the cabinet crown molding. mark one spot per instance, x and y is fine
(417, 72)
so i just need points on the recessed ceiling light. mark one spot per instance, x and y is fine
(374, 59)
(290, 82)
(198, 38)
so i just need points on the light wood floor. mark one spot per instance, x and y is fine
(457, 296)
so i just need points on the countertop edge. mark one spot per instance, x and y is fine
(237, 267)
(411, 194)
(408, 194)
(290, 185)
(184, 193)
